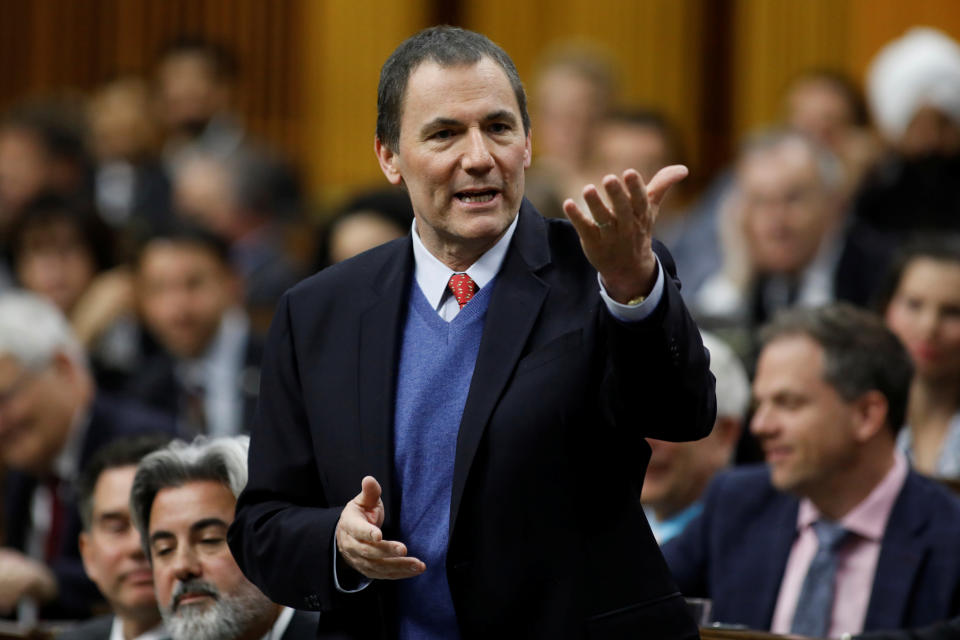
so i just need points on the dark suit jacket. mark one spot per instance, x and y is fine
(547, 538)
(736, 551)
(110, 418)
(947, 630)
(156, 384)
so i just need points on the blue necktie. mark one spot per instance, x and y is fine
(815, 604)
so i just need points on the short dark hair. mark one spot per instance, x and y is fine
(940, 247)
(183, 233)
(447, 46)
(659, 122)
(860, 353)
(49, 208)
(124, 452)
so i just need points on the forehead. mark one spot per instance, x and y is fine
(179, 508)
(112, 492)
(10, 370)
(940, 276)
(165, 256)
(783, 164)
(458, 91)
(792, 362)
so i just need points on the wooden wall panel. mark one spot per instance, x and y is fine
(345, 43)
(655, 43)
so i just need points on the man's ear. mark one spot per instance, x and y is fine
(871, 412)
(83, 542)
(388, 162)
(528, 151)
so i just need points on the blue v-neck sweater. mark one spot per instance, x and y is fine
(436, 365)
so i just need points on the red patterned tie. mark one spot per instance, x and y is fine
(463, 287)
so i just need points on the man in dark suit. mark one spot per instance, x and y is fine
(52, 420)
(111, 548)
(480, 386)
(182, 501)
(207, 369)
(830, 391)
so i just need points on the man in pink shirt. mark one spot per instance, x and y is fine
(834, 534)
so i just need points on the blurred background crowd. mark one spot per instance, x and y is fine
(169, 168)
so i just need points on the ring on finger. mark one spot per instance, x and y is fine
(602, 225)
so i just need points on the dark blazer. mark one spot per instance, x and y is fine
(156, 384)
(947, 630)
(547, 537)
(736, 552)
(110, 418)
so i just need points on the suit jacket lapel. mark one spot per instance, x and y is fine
(517, 297)
(901, 555)
(379, 348)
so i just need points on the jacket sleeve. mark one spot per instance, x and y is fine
(659, 374)
(283, 533)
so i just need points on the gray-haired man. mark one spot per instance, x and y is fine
(182, 501)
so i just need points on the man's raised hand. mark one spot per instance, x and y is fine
(617, 238)
(360, 540)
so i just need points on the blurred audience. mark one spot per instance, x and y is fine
(207, 371)
(921, 305)
(828, 107)
(786, 240)
(52, 420)
(182, 503)
(678, 472)
(131, 186)
(366, 221)
(236, 198)
(112, 552)
(572, 94)
(835, 534)
(913, 87)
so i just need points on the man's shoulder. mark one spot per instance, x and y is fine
(923, 497)
(93, 629)
(743, 493)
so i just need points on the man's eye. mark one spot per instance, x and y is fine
(499, 127)
(443, 134)
(211, 541)
(162, 551)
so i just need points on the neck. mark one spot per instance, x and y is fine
(260, 628)
(139, 622)
(847, 487)
(458, 255)
(933, 402)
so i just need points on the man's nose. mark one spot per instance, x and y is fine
(763, 422)
(186, 565)
(477, 157)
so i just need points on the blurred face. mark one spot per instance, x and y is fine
(202, 193)
(623, 146)
(462, 155)
(184, 291)
(569, 108)
(121, 127)
(931, 132)
(820, 110)
(36, 411)
(24, 168)
(189, 93)
(112, 554)
(925, 314)
(805, 427)
(201, 591)
(55, 263)
(359, 232)
(787, 210)
(679, 472)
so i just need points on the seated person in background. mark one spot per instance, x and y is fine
(368, 220)
(52, 420)
(208, 370)
(63, 251)
(237, 197)
(182, 502)
(111, 548)
(913, 88)
(922, 306)
(679, 472)
(786, 239)
(835, 534)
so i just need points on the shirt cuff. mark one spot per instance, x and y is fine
(363, 584)
(639, 311)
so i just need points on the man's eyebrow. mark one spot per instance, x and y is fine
(439, 122)
(113, 515)
(208, 522)
(502, 115)
(161, 535)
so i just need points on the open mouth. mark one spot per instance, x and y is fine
(474, 197)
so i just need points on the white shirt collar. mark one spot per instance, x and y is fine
(280, 626)
(116, 632)
(65, 465)
(432, 275)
